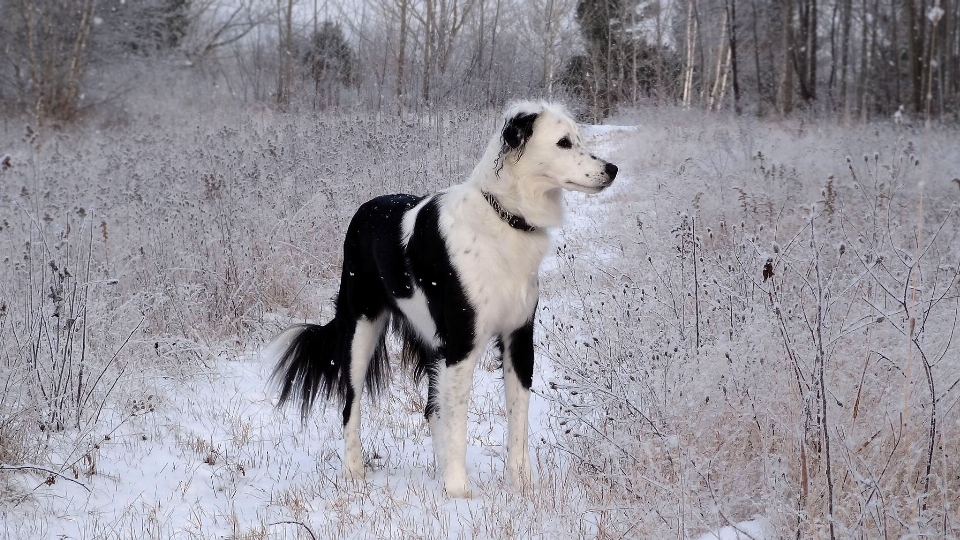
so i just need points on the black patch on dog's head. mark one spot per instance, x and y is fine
(516, 132)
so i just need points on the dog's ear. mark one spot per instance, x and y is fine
(518, 130)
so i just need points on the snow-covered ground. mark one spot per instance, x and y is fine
(212, 458)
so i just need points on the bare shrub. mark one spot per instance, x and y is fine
(46, 44)
(781, 348)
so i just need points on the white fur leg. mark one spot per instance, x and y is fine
(436, 426)
(352, 456)
(518, 426)
(365, 340)
(439, 449)
(455, 384)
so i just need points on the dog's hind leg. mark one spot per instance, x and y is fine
(366, 337)
(432, 413)
(517, 379)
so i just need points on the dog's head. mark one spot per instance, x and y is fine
(542, 144)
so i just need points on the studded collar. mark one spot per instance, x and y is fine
(513, 220)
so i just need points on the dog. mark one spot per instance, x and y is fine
(452, 271)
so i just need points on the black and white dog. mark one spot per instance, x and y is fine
(452, 270)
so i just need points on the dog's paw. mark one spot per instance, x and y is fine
(354, 471)
(457, 487)
(460, 492)
(439, 451)
(521, 478)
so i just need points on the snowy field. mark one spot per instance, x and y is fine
(750, 335)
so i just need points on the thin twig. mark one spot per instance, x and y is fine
(43, 469)
(290, 522)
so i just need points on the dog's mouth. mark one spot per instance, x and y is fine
(587, 188)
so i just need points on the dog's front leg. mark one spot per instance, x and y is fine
(517, 379)
(456, 380)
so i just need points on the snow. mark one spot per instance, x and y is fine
(216, 458)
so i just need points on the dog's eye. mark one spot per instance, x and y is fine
(565, 143)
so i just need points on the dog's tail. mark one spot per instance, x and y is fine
(308, 364)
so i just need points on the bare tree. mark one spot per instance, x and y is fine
(844, 55)
(731, 6)
(440, 22)
(285, 52)
(805, 62)
(688, 46)
(756, 59)
(47, 47)
(403, 12)
(549, 31)
(215, 24)
(951, 52)
(722, 52)
(425, 52)
(786, 86)
(915, 27)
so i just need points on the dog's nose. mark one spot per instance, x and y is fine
(611, 170)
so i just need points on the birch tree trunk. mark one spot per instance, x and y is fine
(711, 102)
(723, 81)
(688, 57)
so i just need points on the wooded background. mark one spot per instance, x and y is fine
(850, 59)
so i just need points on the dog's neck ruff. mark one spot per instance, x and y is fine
(513, 220)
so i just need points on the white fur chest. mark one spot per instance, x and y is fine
(498, 265)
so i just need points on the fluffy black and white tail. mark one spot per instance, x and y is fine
(307, 365)
(313, 361)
